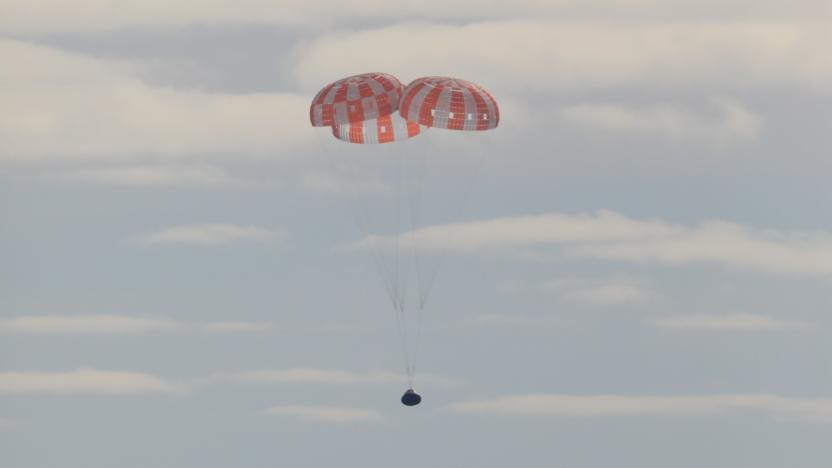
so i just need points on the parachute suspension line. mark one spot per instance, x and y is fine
(347, 184)
(401, 284)
(416, 185)
(406, 264)
(361, 220)
(360, 217)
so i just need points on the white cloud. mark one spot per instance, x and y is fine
(61, 104)
(524, 231)
(84, 381)
(555, 55)
(610, 236)
(235, 327)
(727, 322)
(212, 235)
(729, 244)
(612, 291)
(622, 405)
(327, 377)
(729, 121)
(326, 414)
(86, 324)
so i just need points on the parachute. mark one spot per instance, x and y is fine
(356, 98)
(385, 129)
(449, 103)
(376, 109)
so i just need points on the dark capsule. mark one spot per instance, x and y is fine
(411, 398)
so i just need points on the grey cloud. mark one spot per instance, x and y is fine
(610, 236)
(543, 405)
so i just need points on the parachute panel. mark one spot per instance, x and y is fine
(386, 129)
(355, 98)
(449, 103)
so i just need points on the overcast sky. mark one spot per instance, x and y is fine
(639, 275)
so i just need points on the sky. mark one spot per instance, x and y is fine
(633, 269)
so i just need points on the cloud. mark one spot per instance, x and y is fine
(87, 381)
(310, 375)
(544, 55)
(327, 377)
(610, 294)
(729, 122)
(21, 16)
(502, 319)
(330, 183)
(120, 324)
(212, 235)
(85, 324)
(236, 327)
(326, 414)
(65, 105)
(605, 235)
(524, 231)
(622, 405)
(139, 176)
(612, 291)
(728, 322)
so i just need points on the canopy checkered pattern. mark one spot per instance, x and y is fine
(356, 98)
(449, 103)
(386, 129)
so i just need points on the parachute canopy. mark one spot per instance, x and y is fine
(355, 99)
(387, 129)
(450, 103)
(363, 108)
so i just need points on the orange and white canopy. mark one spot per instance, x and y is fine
(449, 103)
(356, 98)
(387, 129)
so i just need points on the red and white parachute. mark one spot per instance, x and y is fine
(356, 98)
(373, 108)
(449, 103)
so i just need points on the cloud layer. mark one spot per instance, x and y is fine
(610, 236)
(111, 112)
(326, 414)
(729, 121)
(607, 292)
(103, 324)
(312, 375)
(154, 175)
(514, 56)
(726, 322)
(91, 381)
(212, 235)
(622, 405)
(88, 324)
(53, 15)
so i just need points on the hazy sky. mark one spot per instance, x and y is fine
(640, 277)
